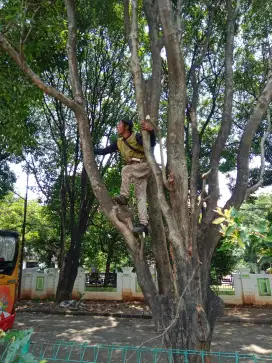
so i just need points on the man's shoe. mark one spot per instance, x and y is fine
(141, 228)
(121, 199)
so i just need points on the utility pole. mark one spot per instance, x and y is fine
(23, 237)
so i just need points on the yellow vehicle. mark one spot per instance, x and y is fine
(9, 268)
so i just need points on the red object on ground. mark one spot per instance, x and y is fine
(7, 323)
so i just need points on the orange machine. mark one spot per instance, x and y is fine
(9, 268)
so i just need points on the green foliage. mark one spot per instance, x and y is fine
(224, 260)
(231, 226)
(41, 237)
(251, 228)
(18, 97)
(7, 178)
(103, 246)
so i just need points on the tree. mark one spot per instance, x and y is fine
(248, 231)
(16, 130)
(255, 216)
(7, 178)
(40, 235)
(183, 305)
(224, 260)
(103, 247)
(57, 160)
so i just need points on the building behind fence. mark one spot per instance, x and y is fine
(240, 288)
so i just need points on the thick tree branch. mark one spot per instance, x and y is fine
(6, 46)
(226, 123)
(152, 102)
(127, 21)
(259, 183)
(176, 119)
(159, 243)
(72, 52)
(153, 86)
(178, 19)
(139, 88)
(151, 12)
(228, 96)
(118, 216)
(195, 135)
(98, 186)
(241, 185)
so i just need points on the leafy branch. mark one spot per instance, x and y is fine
(231, 226)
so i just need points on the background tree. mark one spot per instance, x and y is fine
(7, 178)
(56, 162)
(255, 215)
(16, 130)
(41, 237)
(225, 260)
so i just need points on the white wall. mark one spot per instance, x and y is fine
(248, 288)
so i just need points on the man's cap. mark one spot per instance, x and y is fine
(127, 121)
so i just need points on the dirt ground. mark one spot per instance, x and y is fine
(119, 307)
(137, 308)
(228, 337)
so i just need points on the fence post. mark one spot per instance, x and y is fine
(79, 285)
(26, 284)
(238, 288)
(81, 280)
(119, 282)
(53, 275)
(127, 286)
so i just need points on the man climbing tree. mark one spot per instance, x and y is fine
(136, 170)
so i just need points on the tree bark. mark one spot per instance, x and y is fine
(69, 268)
(176, 158)
(108, 262)
(62, 219)
(159, 242)
(68, 271)
(260, 109)
(226, 122)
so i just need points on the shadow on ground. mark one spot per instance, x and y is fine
(228, 337)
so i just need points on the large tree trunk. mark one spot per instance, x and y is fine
(184, 308)
(68, 272)
(187, 320)
(108, 262)
(63, 207)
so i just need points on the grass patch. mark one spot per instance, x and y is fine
(221, 290)
(226, 292)
(101, 289)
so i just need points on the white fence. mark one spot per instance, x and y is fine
(248, 288)
(43, 285)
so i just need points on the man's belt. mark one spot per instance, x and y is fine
(136, 161)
